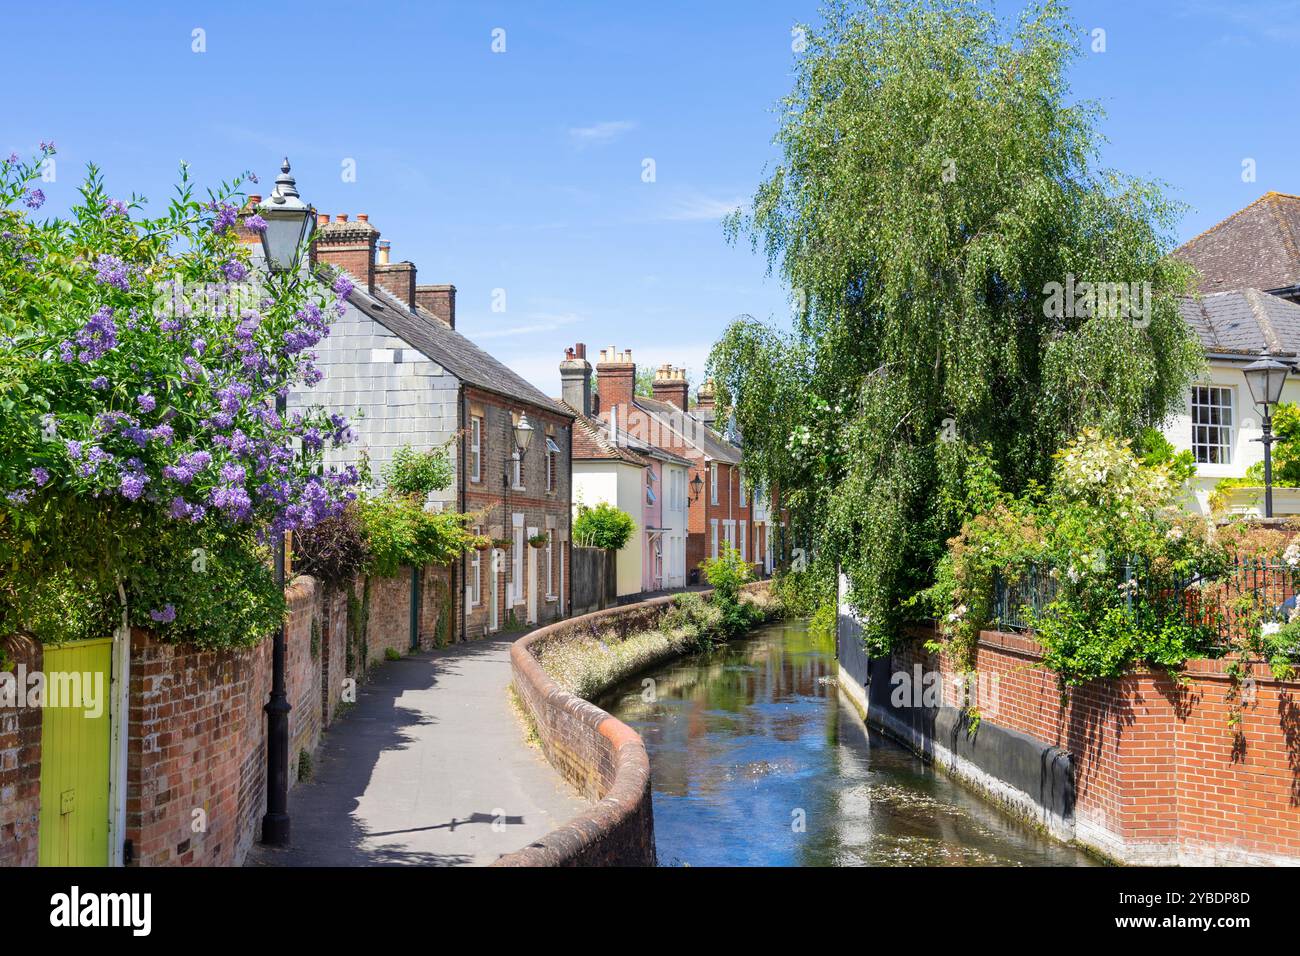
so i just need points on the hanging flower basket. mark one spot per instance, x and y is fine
(482, 543)
(502, 544)
(538, 541)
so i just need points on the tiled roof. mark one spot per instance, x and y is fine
(1244, 321)
(704, 438)
(1255, 248)
(449, 348)
(591, 441)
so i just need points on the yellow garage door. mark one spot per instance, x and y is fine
(75, 743)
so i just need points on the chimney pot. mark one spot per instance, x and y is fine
(363, 217)
(254, 199)
(341, 217)
(323, 219)
(575, 379)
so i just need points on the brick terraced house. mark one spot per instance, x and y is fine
(396, 365)
(610, 466)
(722, 512)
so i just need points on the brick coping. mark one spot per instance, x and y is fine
(1022, 645)
(624, 805)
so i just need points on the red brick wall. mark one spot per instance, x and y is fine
(20, 763)
(197, 729)
(1160, 775)
(334, 640)
(303, 668)
(389, 623)
(197, 742)
(437, 607)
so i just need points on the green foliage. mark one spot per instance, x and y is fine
(400, 533)
(804, 593)
(935, 181)
(698, 622)
(1155, 449)
(1286, 459)
(218, 582)
(726, 574)
(140, 359)
(1119, 548)
(604, 526)
(392, 654)
(419, 472)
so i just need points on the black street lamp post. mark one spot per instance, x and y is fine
(288, 224)
(1265, 379)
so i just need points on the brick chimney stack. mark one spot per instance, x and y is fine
(439, 300)
(348, 245)
(704, 403)
(670, 386)
(575, 379)
(397, 278)
(616, 377)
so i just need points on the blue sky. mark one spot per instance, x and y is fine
(522, 170)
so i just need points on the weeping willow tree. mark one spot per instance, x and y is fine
(938, 214)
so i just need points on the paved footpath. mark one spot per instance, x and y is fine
(417, 772)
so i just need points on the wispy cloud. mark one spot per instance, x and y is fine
(1277, 20)
(541, 322)
(700, 208)
(599, 133)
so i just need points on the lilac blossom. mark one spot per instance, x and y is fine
(225, 218)
(164, 616)
(110, 270)
(96, 338)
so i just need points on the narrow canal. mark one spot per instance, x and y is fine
(757, 761)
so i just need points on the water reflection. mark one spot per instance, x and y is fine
(752, 741)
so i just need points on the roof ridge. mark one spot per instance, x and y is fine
(1224, 222)
(1288, 235)
(1254, 298)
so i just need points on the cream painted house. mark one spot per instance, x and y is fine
(1249, 285)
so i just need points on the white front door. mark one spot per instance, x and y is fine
(496, 569)
(517, 562)
(532, 580)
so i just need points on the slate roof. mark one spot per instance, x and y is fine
(704, 438)
(1255, 248)
(447, 347)
(1243, 321)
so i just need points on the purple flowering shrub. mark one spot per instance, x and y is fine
(140, 363)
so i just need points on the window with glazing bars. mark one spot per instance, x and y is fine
(1212, 424)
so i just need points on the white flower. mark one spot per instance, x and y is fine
(1272, 627)
(1174, 534)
